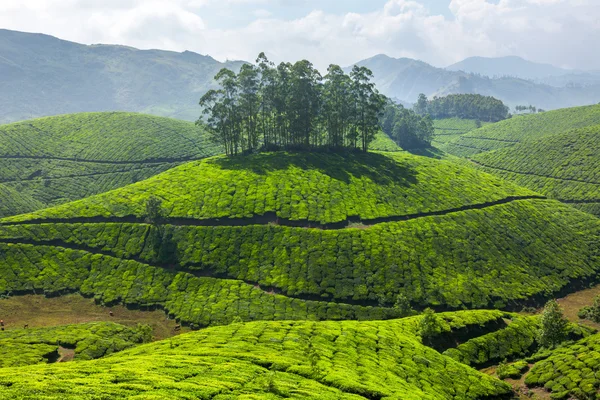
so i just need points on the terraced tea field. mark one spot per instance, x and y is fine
(54, 160)
(509, 132)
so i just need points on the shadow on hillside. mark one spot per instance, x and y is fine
(339, 166)
(430, 152)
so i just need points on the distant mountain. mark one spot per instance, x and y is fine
(405, 78)
(508, 66)
(41, 75)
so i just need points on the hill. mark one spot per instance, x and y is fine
(53, 160)
(449, 129)
(68, 77)
(274, 360)
(527, 127)
(405, 79)
(564, 166)
(300, 236)
(508, 66)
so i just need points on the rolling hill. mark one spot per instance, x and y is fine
(275, 360)
(509, 132)
(564, 166)
(53, 160)
(404, 79)
(449, 129)
(68, 77)
(301, 236)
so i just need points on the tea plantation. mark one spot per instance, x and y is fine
(509, 132)
(564, 166)
(89, 341)
(59, 159)
(449, 129)
(571, 371)
(480, 245)
(314, 187)
(274, 360)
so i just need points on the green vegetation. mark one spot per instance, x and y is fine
(514, 370)
(405, 127)
(464, 106)
(517, 338)
(485, 254)
(530, 127)
(20, 347)
(448, 129)
(346, 360)
(382, 142)
(319, 187)
(569, 371)
(292, 106)
(591, 312)
(553, 325)
(54, 160)
(564, 166)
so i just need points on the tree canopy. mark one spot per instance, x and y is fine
(291, 106)
(407, 128)
(465, 106)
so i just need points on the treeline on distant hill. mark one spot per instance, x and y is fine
(465, 106)
(291, 106)
(408, 129)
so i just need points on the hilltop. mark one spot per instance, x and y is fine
(564, 166)
(54, 160)
(305, 235)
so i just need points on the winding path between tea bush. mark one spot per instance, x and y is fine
(271, 218)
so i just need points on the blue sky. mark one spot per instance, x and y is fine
(440, 32)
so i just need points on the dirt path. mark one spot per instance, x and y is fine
(38, 311)
(576, 301)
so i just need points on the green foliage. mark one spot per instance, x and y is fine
(463, 106)
(591, 312)
(430, 326)
(553, 325)
(313, 360)
(564, 166)
(382, 142)
(517, 338)
(54, 160)
(530, 127)
(569, 371)
(323, 187)
(89, 341)
(448, 129)
(293, 106)
(154, 212)
(471, 258)
(407, 128)
(514, 370)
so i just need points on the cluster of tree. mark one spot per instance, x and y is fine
(291, 106)
(408, 129)
(591, 312)
(465, 106)
(530, 109)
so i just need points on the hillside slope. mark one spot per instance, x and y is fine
(41, 75)
(59, 159)
(565, 166)
(296, 236)
(275, 360)
(528, 127)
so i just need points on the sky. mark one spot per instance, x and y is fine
(441, 32)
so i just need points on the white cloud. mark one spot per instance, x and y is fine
(561, 32)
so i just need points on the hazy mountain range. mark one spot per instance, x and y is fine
(41, 75)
